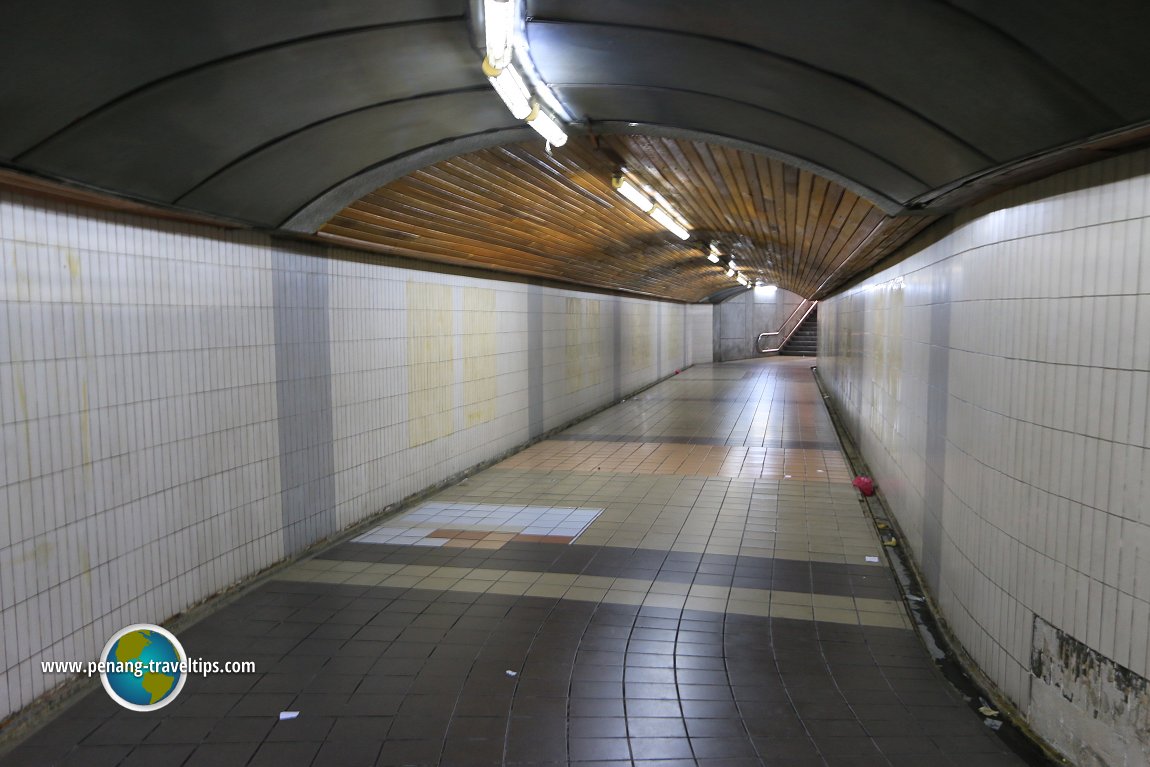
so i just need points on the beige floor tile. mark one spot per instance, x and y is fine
(515, 588)
(422, 570)
(515, 576)
(472, 586)
(366, 579)
(797, 612)
(710, 604)
(437, 583)
(623, 597)
(879, 606)
(834, 615)
(886, 620)
(670, 587)
(401, 581)
(350, 567)
(749, 607)
(673, 601)
(840, 603)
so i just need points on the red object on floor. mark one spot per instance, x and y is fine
(865, 485)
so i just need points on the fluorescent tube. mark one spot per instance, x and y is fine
(511, 88)
(664, 218)
(499, 29)
(632, 193)
(547, 127)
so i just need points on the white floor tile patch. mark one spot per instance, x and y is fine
(415, 527)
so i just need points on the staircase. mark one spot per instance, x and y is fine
(805, 340)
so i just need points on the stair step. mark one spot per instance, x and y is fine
(804, 342)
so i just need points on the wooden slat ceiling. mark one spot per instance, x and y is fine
(520, 209)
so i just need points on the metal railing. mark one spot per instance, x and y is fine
(786, 330)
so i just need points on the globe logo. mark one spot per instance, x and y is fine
(143, 667)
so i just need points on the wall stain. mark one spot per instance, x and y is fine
(86, 580)
(22, 396)
(38, 554)
(20, 278)
(85, 431)
(75, 273)
(1094, 684)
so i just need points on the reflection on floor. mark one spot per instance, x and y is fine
(685, 579)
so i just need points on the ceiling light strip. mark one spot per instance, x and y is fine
(547, 126)
(501, 22)
(632, 193)
(645, 200)
(511, 88)
(669, 223)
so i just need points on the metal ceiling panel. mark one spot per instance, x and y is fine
(291, 172)
(64, 59)
(952, 67)
(573, 54)
(1100, 46)
(718, 117)
(193, 126)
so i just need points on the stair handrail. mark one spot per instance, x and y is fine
(810, 305)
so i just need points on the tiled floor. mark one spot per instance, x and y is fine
(481, 525)
(685, 579)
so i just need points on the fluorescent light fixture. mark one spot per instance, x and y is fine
(730, 272)
(510, 87)
(713, 258)
(662, 203)
(499, 17)
(632, 193)
(664, 218)
(731, 264)
(547, 127)
(714, 248)
(641, 198)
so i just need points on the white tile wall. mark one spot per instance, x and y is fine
(140, 421)
(997, 380)
(700, 334)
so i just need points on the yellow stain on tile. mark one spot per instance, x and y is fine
(430, 362)
(480, 379)
(637, 343)
(582, 368)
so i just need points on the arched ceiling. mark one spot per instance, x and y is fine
(282, 113)
(521, 209)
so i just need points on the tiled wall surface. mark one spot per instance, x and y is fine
(740, 319)
(997, 381)
(181, 407)
(700, 334)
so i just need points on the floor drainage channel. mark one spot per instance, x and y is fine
(1017, 739)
